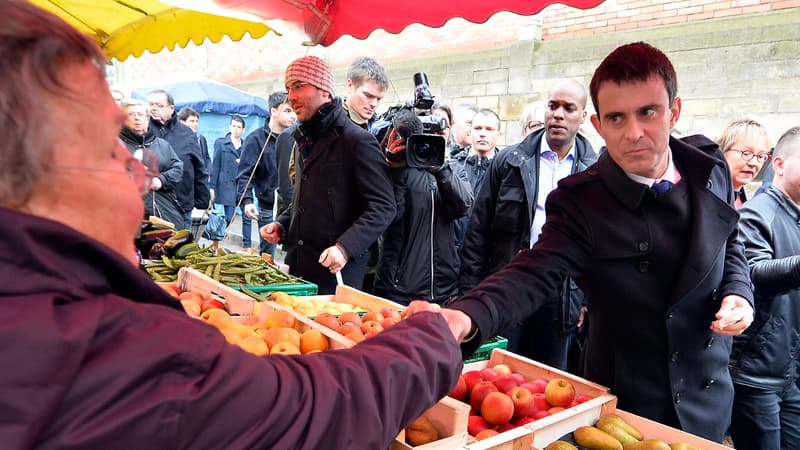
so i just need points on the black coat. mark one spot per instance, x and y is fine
(765, 356)
(224, 169)
(419, 258)
(343, 194)
(162, 203)
(193, 188)
(651, 295)
(283, 150)
(258, 151)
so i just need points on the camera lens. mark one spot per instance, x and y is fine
(424, 151)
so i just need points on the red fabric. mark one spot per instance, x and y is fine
(358, 18)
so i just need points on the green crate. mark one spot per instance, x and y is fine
(260, 293)
(484, 352)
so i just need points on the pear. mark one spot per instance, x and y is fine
(647, 444)
(421, 431)
(617, 431)
(560, 445)
(595, 439)
(683, 446)
(613, 418)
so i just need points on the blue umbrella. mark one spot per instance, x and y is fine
(209, 96)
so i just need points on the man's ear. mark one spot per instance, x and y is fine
(675, 110)
(595, 122)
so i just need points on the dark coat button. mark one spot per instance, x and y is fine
(710, 383)
(674, 356)
(301, 210)
(300, 243)
(669, 316)
(709, 184)
(644, 266)
(644, 246)
(710, 341)
(677, 398)
(714, 293)
(304, 177)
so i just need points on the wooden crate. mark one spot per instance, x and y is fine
(346, 294)
(449, 417)
(654, 430)
(550, 428)
(249, 310)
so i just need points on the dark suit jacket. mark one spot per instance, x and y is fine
(650, 344)
(343, 193)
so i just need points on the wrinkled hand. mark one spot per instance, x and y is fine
(734, 316)
(251, 211)
(333, 258)
(459, 323)
(156, 184)
(271, 232)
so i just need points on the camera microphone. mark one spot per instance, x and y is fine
(407, 123)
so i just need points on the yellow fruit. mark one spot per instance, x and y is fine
(274, 336)
(284, 348)
(595, 439)
(254, 345)
(231, 336)
(278, 318)
(421, 431)
(613, 418)
(191, 308)
(217, 317)
(647, 444)
(313, 339)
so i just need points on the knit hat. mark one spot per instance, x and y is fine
(311, 70)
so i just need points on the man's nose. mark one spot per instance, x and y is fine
(633, 131)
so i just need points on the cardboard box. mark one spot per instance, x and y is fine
(249, 310)
(550, 428)
(449, 417)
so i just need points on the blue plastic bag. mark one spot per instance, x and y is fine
(215, 228)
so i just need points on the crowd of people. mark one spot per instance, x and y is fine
(684, 290)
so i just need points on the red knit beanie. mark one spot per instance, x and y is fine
(311, 70)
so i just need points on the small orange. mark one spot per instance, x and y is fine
(284, 348)
(313, 339)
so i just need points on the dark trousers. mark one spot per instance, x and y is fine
(539, 337)
(765, 419)
(265, 217)
(246, 230)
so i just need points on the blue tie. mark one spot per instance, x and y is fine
(661, 187)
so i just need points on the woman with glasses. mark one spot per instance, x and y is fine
(746, 146)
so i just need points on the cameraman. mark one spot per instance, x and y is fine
(419, 258)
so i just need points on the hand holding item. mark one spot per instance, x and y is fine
(271, 232)
(333, 258)
(156, 184)
(734, 316)
(459, 323)
(251, 211)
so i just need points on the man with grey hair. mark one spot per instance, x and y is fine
(102, 357)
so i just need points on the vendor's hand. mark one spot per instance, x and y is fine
(251, 211)
(333, 258)
(459, 323)
(582, 316)
(271, 232)
(212, 195)
(156, 184)
(734, 316)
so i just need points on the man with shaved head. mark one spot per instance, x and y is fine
(509, 213)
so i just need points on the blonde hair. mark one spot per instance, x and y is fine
(741, 127)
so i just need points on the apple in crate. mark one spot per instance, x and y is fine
(523, 402)
(479, 392)
(559, 392)
(497, 408)
(476, 424)
(472, 378)
(505, 382)
(459, 391)
(502, 369)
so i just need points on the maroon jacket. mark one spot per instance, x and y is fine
(95, 355)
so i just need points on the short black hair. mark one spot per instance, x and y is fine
(276, 99)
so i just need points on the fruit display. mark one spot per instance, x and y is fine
(421, 431)
(356, 327)
(502, 399)
(311, 306)
(276, 331)
(612, 432)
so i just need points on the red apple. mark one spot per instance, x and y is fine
(497, 408)
(372, 315)
(524, 420)
(505, 383)
(211, 304)
(479, 392)
(559, 392)
(540, 384)
(472, 378)
(459, 391)
(555, 409)
(476, 424)
(583, 398)
(540, 402)
(388, 322)
(506, 427)
(541, 413)
(371, 328)
(502, 369)
(519, 377)
(486, 434)
(488, 374)
(523, 402)
(391, 313)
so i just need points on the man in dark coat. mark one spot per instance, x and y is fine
(343, 196)
(663, 271)
(100, 357)
(765, 362)
(258, 167)
(193, 189)
(509, 213)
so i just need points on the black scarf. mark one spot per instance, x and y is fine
(308, 132)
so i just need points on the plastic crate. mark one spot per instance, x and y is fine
(484, 352)
(261, 293)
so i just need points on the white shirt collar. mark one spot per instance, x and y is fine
(545, 147)
(671, 174)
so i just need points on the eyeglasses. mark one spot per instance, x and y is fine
(747, 155)
(141, 167)
(534, 125)
(296, 86)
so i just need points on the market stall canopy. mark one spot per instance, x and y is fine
(207, 96)
(325, 21)
(128, 28)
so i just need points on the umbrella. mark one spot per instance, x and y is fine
(208, 96)
(325, 21)
(129, 27)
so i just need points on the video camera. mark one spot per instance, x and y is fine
(425, 146)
